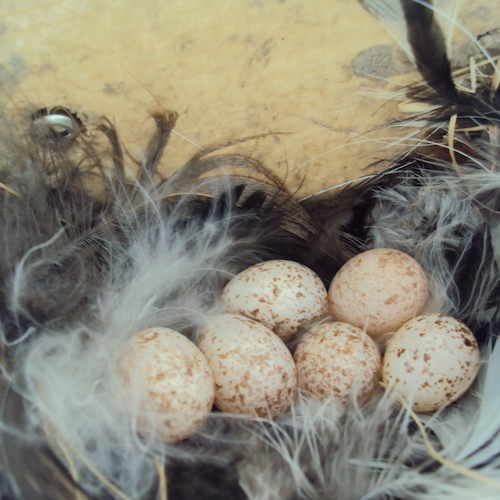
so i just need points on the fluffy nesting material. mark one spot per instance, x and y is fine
(81, 271)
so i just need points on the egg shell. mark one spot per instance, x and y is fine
(378, 291)
(253, 370)
(336, 361)
(431, 361)
(168, 382)
(284, 295)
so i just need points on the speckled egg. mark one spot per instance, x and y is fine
(431, 361)
(169, 384)
(253, 370)
(337, 360)
(284, 295)
(378, 291)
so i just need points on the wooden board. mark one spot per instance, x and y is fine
(230, 69)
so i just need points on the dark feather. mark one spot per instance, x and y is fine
(429, 48)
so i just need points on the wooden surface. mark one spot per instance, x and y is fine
(230, 69)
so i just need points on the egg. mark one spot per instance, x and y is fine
(378, 291)
(253, 370)
(168, 383)
(284, 295)
(431, 361)
(337, 360)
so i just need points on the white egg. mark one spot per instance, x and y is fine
(336, 361)
(284, 295)
(169, 384)
(431, 361)
(378, 291)
(253, 370)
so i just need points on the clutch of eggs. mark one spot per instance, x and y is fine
(243, 365)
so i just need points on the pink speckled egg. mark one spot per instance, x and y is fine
(169, 385)
(253, 370)
(431, 361)
(378, 291)
(284, 295)
(337, 360)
